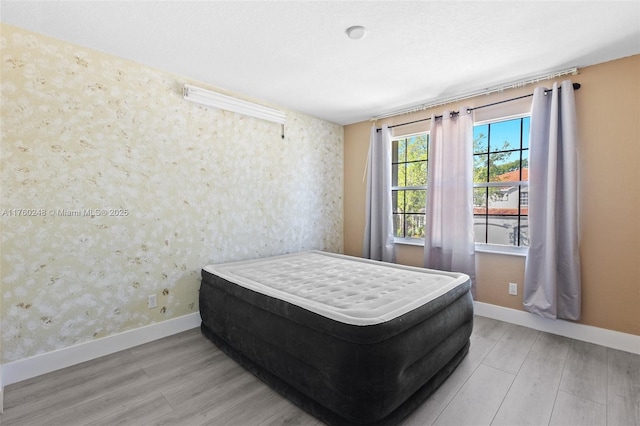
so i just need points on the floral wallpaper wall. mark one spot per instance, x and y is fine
(115, 188)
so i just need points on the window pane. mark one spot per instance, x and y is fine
(417, 148)
(524, 231)
(416, 201)
(479, 200)
(397, 201)
(505, 135)
(398, 174)
(414, 226)
(480, 229)
(480, 168)
(525, 132)
(504, 166)
(402, 150)
(398, 225)
(502, 230)
(507, 160)
(504, 200)
(525, 165)
(416, 174)
(394, 175)
(480, 138)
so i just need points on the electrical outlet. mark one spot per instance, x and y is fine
(513, 289)
(152, 301)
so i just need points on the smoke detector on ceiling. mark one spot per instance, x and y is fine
(356, 32)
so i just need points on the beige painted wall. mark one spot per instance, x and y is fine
(608, 108)
(84, 130)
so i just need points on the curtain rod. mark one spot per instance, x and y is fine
(487, 91)
(576, 86)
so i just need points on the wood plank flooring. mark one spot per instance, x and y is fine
(511, 376)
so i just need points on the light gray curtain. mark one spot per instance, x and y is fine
(449, 239)
(552, 271)
(378, 232)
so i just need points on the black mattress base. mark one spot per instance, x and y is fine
(321, 412)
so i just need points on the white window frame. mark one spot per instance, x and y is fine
(479, 247)
(502, 248)
(401, 240)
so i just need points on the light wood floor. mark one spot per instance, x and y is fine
(511, 376)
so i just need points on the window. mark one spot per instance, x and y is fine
(501, 174)
(409, 185)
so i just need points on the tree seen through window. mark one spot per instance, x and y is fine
(409, 180)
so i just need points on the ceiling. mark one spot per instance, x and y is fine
(296, 55)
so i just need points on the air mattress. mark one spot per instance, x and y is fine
(350, 340)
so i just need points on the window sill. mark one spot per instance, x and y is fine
(499, 249)
(409, 242)
(480, 248)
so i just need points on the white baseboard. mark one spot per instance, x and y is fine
(27, 368)
(586, 333)
(37, 365)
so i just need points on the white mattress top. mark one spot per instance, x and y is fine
(348, 289)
